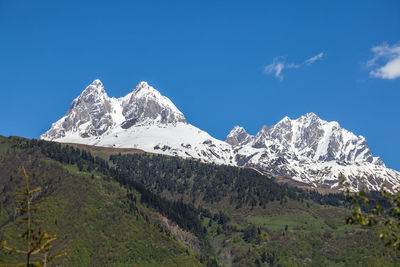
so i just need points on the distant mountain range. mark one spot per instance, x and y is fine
(308, 149)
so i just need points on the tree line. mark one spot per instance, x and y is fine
(185, 215)
(211, 183)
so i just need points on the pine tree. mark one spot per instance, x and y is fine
(38, 242)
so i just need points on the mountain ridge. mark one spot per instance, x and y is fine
(142, 119)
(307, 149)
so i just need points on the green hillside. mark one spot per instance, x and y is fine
(96, 223)
(266, 223)
(131, 209)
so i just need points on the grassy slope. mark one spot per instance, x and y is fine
(91, 216)
(316, 234)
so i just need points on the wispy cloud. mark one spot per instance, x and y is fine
(279, 64)
(386, 61)
(311, 60)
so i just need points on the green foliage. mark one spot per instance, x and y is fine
(212, 183)
(185, 215)
(239, 214)
(37, 241)
(97, 222)
(382, 213)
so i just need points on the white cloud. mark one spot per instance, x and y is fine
(279, 64)
(276, 67)
(386, 61)
(311, 60)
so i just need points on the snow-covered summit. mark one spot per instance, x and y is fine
(306, 149)
(310, 136)
(142, 119)
(313, 151)
(144, 105)
(238, 136)
(89, 114)
(93, 112)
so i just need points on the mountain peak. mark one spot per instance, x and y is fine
(143, 84)
(144, 90)
(238, 128)
(93, 113)
(144, 104)
(286, 119)
(310, 115)
(95, 88)
(238, 136)
(93, 93)
(143, 87)
(309, 119)
(89, 115)
(97, 82)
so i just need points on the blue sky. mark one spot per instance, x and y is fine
(223, 63)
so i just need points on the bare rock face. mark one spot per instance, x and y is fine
(238, 136)
(145, 104)
(88, 115)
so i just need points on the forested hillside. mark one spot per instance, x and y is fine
(98, 222)
(112, 209)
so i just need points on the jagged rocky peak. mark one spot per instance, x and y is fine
(311, 137)
(94, 93)
(238, 136)
(261, 137)
(310, 116)
(282, 132)
(285, 120)
(88, 115)
(93, 113)
(315, 151)
(146, 105)
(327, 141)
(96, 83)
(145, 86)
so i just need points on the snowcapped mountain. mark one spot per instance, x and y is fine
(142, 119)
(312, 151)
(308, 149)
(310, 137)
